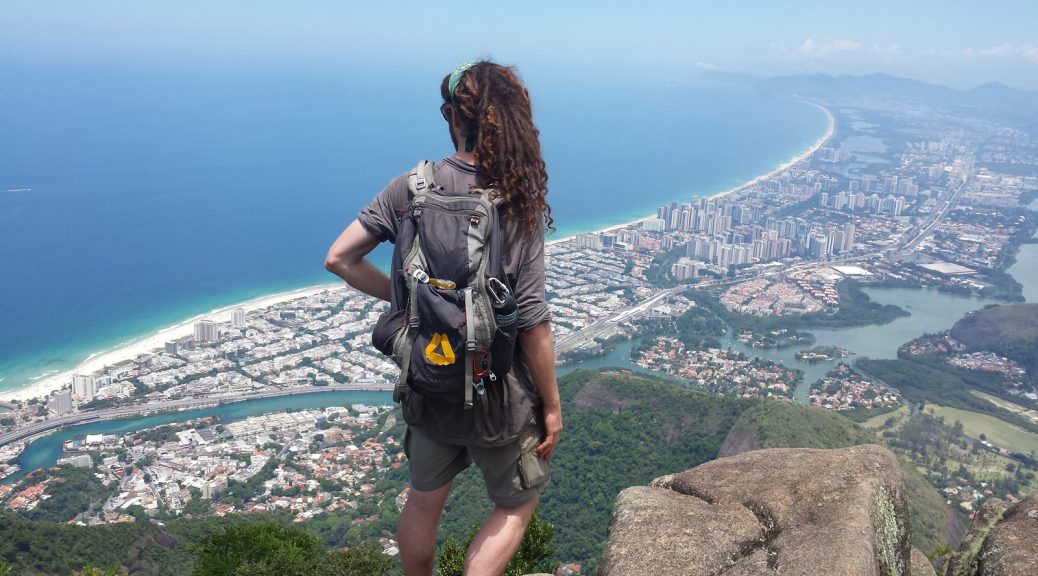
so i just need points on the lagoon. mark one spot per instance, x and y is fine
(931, 311)
(1025, 270)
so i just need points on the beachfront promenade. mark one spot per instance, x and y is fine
(175, 406)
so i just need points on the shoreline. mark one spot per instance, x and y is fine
(46, 383)
(829, 132)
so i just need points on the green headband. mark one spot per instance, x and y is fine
(460, 71)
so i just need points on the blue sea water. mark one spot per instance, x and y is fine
(132, 199)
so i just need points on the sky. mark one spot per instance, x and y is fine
(951, 42)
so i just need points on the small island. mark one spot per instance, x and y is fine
(822, 354)
(778, 338)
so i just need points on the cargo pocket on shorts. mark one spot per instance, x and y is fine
(534, 471)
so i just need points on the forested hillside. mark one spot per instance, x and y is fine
(1010, 331)
(621, 430)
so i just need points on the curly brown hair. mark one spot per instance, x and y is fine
(494, 106)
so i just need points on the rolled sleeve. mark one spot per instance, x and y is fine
(382, 215)
(529, 285)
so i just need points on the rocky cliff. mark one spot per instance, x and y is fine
(1002, 541)
(774, 511)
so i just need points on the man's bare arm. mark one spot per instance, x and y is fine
(539, 354)
(346, 259)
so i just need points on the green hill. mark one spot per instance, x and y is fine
(1010, 331)
(783, 425)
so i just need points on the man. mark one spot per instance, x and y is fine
(489, 116)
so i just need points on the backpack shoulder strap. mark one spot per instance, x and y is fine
(490, 195)
(420, 180)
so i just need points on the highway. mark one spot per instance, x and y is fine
(937, 217)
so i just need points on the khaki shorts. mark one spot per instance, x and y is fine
(434, 464)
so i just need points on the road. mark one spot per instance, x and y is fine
(171, 406)
(937, 217)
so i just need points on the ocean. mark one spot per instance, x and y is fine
(133, 199)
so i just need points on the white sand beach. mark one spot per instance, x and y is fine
(134, 348)
(830, 130)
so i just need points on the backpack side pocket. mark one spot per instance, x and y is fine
(386, 334)
(502, 350)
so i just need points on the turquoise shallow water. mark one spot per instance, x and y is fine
(154, 196)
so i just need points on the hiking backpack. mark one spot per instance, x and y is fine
(452, 318)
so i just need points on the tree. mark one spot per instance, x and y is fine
(363, 560)
(271, 549)
(258, 549)
(533, 555)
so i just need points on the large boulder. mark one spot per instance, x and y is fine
(1002, 541)
(778, 511)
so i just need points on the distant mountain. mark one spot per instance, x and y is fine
(994, 98)
(881, 84)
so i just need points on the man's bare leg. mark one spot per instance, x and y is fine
(416, 529)
(498, 539)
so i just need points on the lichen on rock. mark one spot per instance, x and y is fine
(777, 511)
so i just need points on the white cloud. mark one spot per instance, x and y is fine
(999, 51)
(1030, 53)
(1027, 52)
(888, 51)
(811, 49)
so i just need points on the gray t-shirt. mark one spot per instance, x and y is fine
(523, 262)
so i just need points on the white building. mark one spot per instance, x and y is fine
(84, 386)
(238, 318)
(206, 331)
(61, 402)
(654, 225)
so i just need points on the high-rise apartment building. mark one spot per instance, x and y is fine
(84, 386)
(206, 331)
(60, 403)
